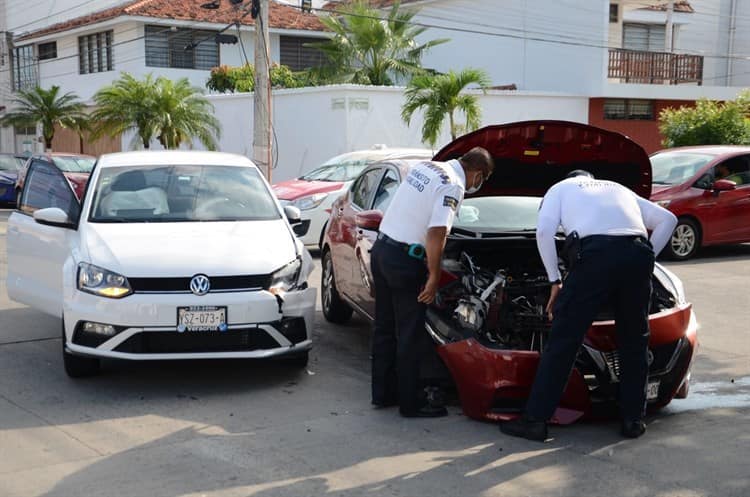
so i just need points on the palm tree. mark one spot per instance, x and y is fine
(172, 112)
(182, 112)
(48, 108)
(368, 49)
(126, 105)
(440, 96)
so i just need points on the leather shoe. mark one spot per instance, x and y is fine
(633, 429)
(426, 412)
(525, 428)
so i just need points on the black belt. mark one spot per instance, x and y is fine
(613, 238)
(414, 250)
(390, 241)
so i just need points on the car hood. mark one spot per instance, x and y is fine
(185, 249)
(296, 188)
(531, 156)
(8, 176)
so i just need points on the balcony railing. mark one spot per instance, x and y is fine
(633, 66)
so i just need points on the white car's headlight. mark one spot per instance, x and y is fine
(663, 203)
(671, 282)
(286, 278)
(310, 201)
(95, 280)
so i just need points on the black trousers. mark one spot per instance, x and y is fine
(614, 270)
(399, 339)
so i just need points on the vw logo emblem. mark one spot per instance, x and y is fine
(200, 285)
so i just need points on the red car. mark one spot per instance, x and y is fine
(76, 168)
(488, 322)
(708, 189)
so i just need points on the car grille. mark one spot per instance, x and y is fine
(218, 284)
(171, 342)
(663, 358)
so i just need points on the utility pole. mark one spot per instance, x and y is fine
(262, 95)
(669, 38)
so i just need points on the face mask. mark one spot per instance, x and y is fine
(476, 188)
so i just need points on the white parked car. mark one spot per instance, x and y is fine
(171, 255)
(315, 192)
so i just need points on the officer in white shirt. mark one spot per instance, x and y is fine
(613, 262)
(413, 229)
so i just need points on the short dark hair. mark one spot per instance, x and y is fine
(579, 172)
(478, 159)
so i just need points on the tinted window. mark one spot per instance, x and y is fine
(364, 187)
(135, 194)
(735, 169)
(386, 190)
(46, 187)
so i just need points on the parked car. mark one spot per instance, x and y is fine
(10, 164)
(708, 189)
(75, 167)
(488, 320)
(170, 255)
(315, 192)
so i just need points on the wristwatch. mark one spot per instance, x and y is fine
(558, 281)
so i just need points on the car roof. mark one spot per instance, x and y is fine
(173, 157)
(382, 154)
(710, 149)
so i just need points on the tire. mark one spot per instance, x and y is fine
(685, 240)
(335, 309)
(322, 235)
(78, 366)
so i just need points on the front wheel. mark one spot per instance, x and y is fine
(335, 309)
(78, 366)
(685, 240)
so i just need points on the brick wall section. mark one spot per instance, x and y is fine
(645, 133)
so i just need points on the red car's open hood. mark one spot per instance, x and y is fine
(531, 156)
(295, 188)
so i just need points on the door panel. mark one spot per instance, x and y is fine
(729, 210)
(37, 252)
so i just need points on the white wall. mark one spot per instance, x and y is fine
(24, 16)
(314, 124)
(501, 50)
(707, 34)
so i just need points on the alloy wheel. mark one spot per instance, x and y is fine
(683, 240)
(327, 283)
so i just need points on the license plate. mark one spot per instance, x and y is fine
(201, 318)
(652, 391)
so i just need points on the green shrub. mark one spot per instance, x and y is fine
(708, 123)
(242, 79)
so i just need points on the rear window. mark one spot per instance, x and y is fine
(74, 164)
(10, 163)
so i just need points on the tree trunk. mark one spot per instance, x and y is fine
(48, 143)
(452, 124)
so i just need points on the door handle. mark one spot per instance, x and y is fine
(340, 211)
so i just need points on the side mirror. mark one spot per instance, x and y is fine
(723, 185)
(369, 220)
(53, 216)
(293, 214)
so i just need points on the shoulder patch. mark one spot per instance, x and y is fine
(450, 202)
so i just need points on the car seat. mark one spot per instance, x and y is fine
(130, 192)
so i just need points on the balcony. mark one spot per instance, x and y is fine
(654, 68)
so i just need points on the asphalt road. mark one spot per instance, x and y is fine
(258, 429)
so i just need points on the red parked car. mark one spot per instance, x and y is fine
(488, 321)
(75, 167)
(708, 189)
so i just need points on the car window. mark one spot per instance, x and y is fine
(10, 163)
(386, 190)
(181, 193)
(498, 214)
(74, 164)
(45, 187)
(735, 169)
(673, 168)
(364, 186)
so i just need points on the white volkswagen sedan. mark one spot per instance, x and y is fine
(170, 255)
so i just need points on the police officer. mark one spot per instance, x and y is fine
(413, 229)
(614, 264)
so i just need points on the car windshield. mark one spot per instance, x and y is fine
(74, 164)
(10, 163)
(180, 193)
(498, 214)
(673, 168)
(342, 171)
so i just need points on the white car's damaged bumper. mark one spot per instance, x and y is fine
(145, 326)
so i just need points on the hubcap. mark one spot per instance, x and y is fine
(683, 240)
(327, 283)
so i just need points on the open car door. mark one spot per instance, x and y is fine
(40, 235)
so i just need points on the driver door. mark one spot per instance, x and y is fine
(366, 239)
(38, 252)
(730, 210)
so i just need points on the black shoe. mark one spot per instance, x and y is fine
(525, 428)
(425, 412)
(633, 429)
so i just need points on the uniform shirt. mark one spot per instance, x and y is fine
(428, 197)
(597, 207)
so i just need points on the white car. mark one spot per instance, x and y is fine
(171, 255)
(315, 192)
